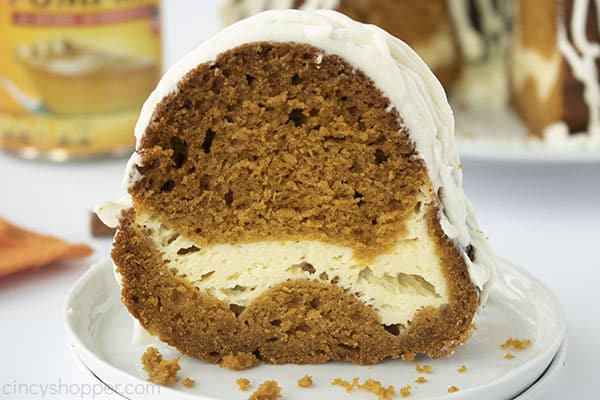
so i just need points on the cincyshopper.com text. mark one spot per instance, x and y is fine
(61, 390)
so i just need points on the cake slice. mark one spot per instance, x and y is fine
(296, 195)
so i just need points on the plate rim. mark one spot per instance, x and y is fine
(471, 151)
(84, 353)
(519, 146)
(557, 364)
(550, 373)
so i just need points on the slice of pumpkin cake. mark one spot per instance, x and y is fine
(296, 194)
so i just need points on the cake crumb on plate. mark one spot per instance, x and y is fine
(160, 371)
(423, 369)
(453, 389)
(509, 356)
(405, 391)
(462, 369)
(515, 344)
(268, 390)
(344, 383)
(243, 384)
(189, 383)
(370, 385)
(305, 382)
(421, 379)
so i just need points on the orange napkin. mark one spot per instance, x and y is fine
(21, 249)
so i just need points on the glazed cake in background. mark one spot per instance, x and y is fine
(296, 194)
(554, 66)
(426, 26)
(514, 53)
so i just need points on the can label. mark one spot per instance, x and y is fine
(74, 73)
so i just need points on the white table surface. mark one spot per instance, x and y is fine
(543, 217)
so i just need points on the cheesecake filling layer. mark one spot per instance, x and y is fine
(396, 284)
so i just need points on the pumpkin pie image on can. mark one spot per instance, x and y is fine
(72, 78)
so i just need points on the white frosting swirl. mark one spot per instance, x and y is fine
(395, 69)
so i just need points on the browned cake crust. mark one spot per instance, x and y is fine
(239, 361)
(270, 142)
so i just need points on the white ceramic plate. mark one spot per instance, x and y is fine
(499, 135)
(537, 391)
(100, 332)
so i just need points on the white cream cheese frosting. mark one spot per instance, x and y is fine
(412, 89)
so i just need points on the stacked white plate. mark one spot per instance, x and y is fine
(499, 135)
(519, 306)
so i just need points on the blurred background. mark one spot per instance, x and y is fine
(543, 215)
